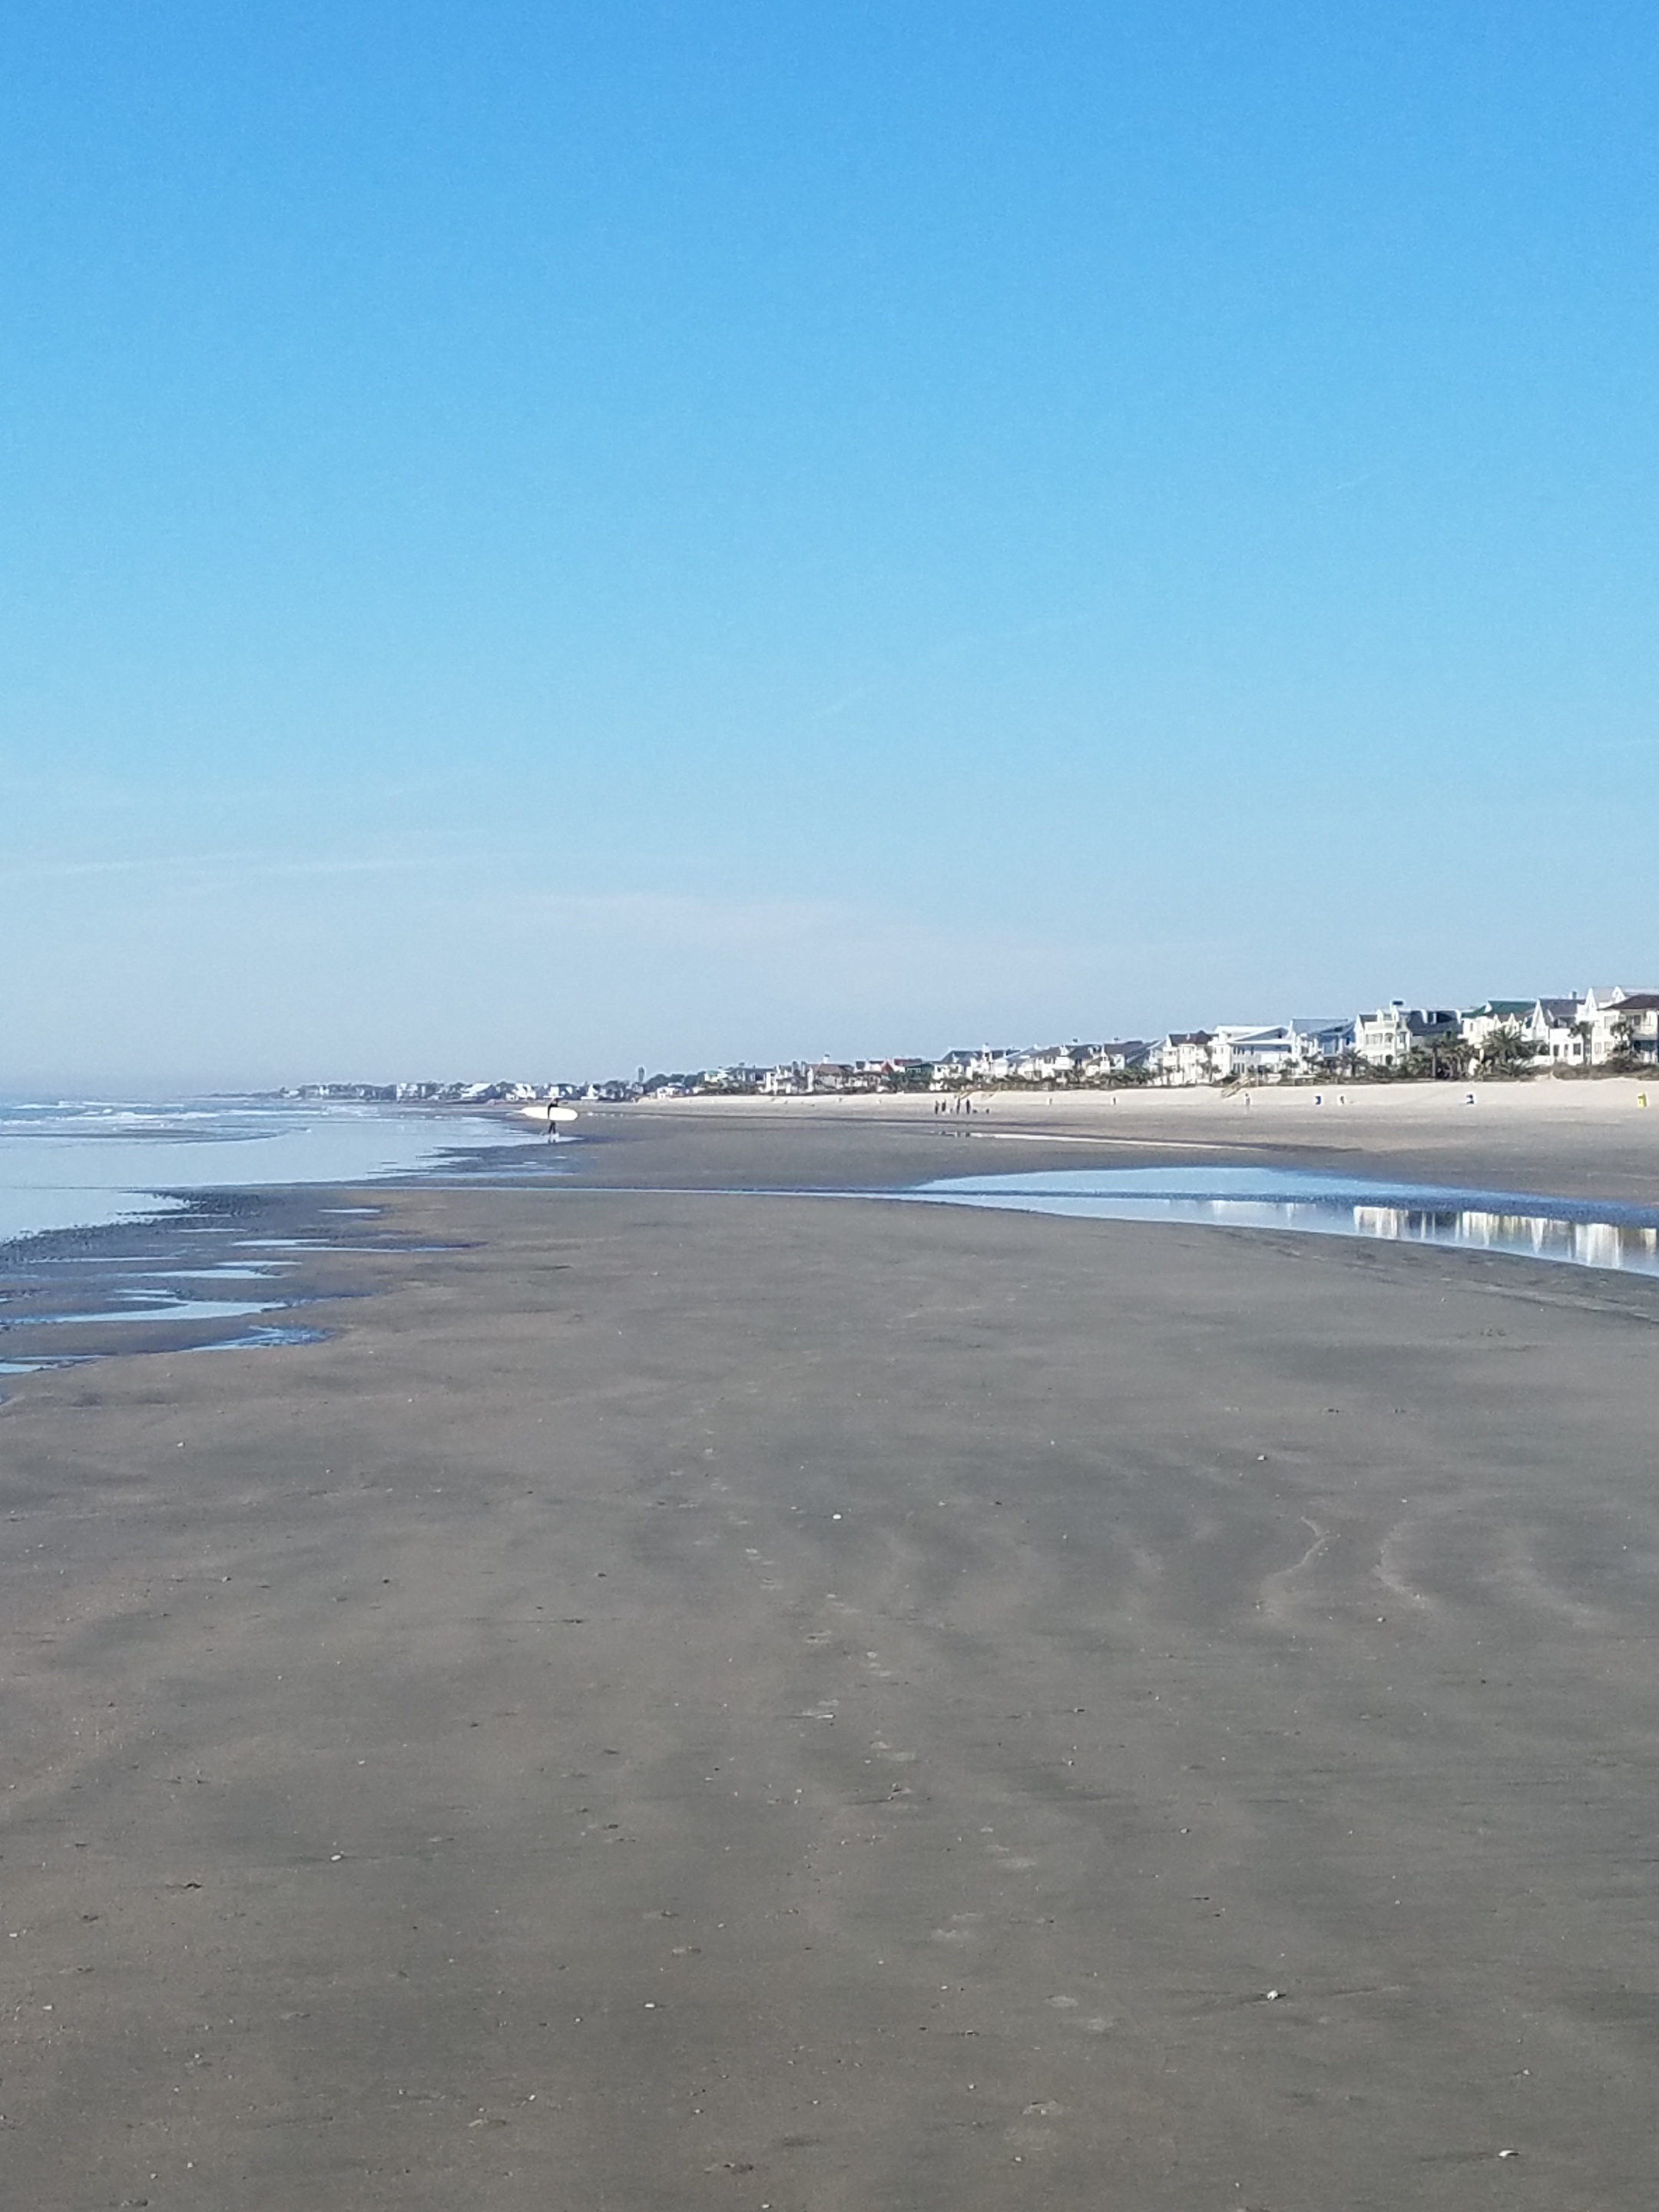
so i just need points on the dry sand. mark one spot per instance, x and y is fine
(776, 1702)
(1598, 1137)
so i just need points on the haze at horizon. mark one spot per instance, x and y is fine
(538, 542)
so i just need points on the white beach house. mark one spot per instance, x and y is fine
(1184, 1057)
(1252, 1054)
(1319, 1039)
(1101, 1063)
(1481, 1024)
(1394, 1032)
(1621, 1021)
(1555, 1026)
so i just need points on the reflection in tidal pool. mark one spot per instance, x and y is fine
(1586, 1233)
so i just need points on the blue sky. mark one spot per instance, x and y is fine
(538, 538)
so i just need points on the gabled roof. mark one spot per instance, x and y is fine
(1563, 1011)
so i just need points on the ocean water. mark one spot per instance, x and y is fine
(166, 1275)
(1586, 1233)
(80, 1163)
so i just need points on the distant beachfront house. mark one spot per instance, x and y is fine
(1252, 1055)
(1622, 1022)
(990, 1064)
(1381, 1039)
(1481, 1024)
(1318, 1039)
(785, 1080)
(1554, 1027)
(1428, 1026)
(953, 1069)
(1183, 1058)
(1052, 1063)
(1613, 1020)
(843, 1077)
(1638, 1011)
(1099, 1063)
(1281, 1052)
(905, 1074)
(1598, 1011)
(1389, 1036)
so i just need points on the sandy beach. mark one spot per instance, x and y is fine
(699, 1696)
(1573, 1138)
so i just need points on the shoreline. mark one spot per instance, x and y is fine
(175, 1274)
(1595, 1154)
(86, 1165)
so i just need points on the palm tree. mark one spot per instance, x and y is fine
(1507, 1052)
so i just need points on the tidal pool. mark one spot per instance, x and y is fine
(1587, 1232)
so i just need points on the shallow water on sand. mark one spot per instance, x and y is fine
(81, 1163)
(120, 1223)
(1588, 1233)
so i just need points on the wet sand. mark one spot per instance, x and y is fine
(764, 1701)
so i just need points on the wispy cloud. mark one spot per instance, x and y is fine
(215, 868)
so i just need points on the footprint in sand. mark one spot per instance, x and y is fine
(963, 1929)
(885, 1751)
